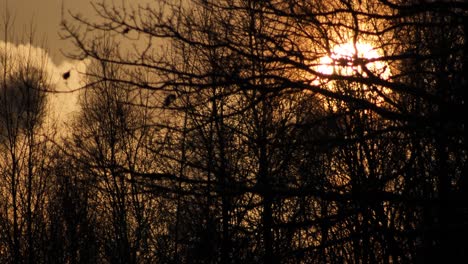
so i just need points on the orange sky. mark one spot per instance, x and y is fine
(46, 16)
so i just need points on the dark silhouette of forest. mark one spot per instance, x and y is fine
(209, 132)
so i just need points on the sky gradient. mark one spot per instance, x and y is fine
(45, 16)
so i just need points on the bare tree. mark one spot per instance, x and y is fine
(23, 162)
(285, 134)
(108, 146)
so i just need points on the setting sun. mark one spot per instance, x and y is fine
(348, 59)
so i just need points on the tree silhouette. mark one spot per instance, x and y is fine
(23, 167)
(241, 131)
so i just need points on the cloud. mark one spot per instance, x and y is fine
(63, 100)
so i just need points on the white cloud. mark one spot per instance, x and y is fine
(63, 103)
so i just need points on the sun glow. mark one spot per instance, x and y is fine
(360, 60)
(353, 59)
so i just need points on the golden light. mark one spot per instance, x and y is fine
(353, 59)
(349, 58)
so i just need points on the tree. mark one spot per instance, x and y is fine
(311, 153)
(23, 165)
(107, 146)
(72, 233)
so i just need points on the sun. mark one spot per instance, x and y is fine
(360, 60)
(349, 59)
